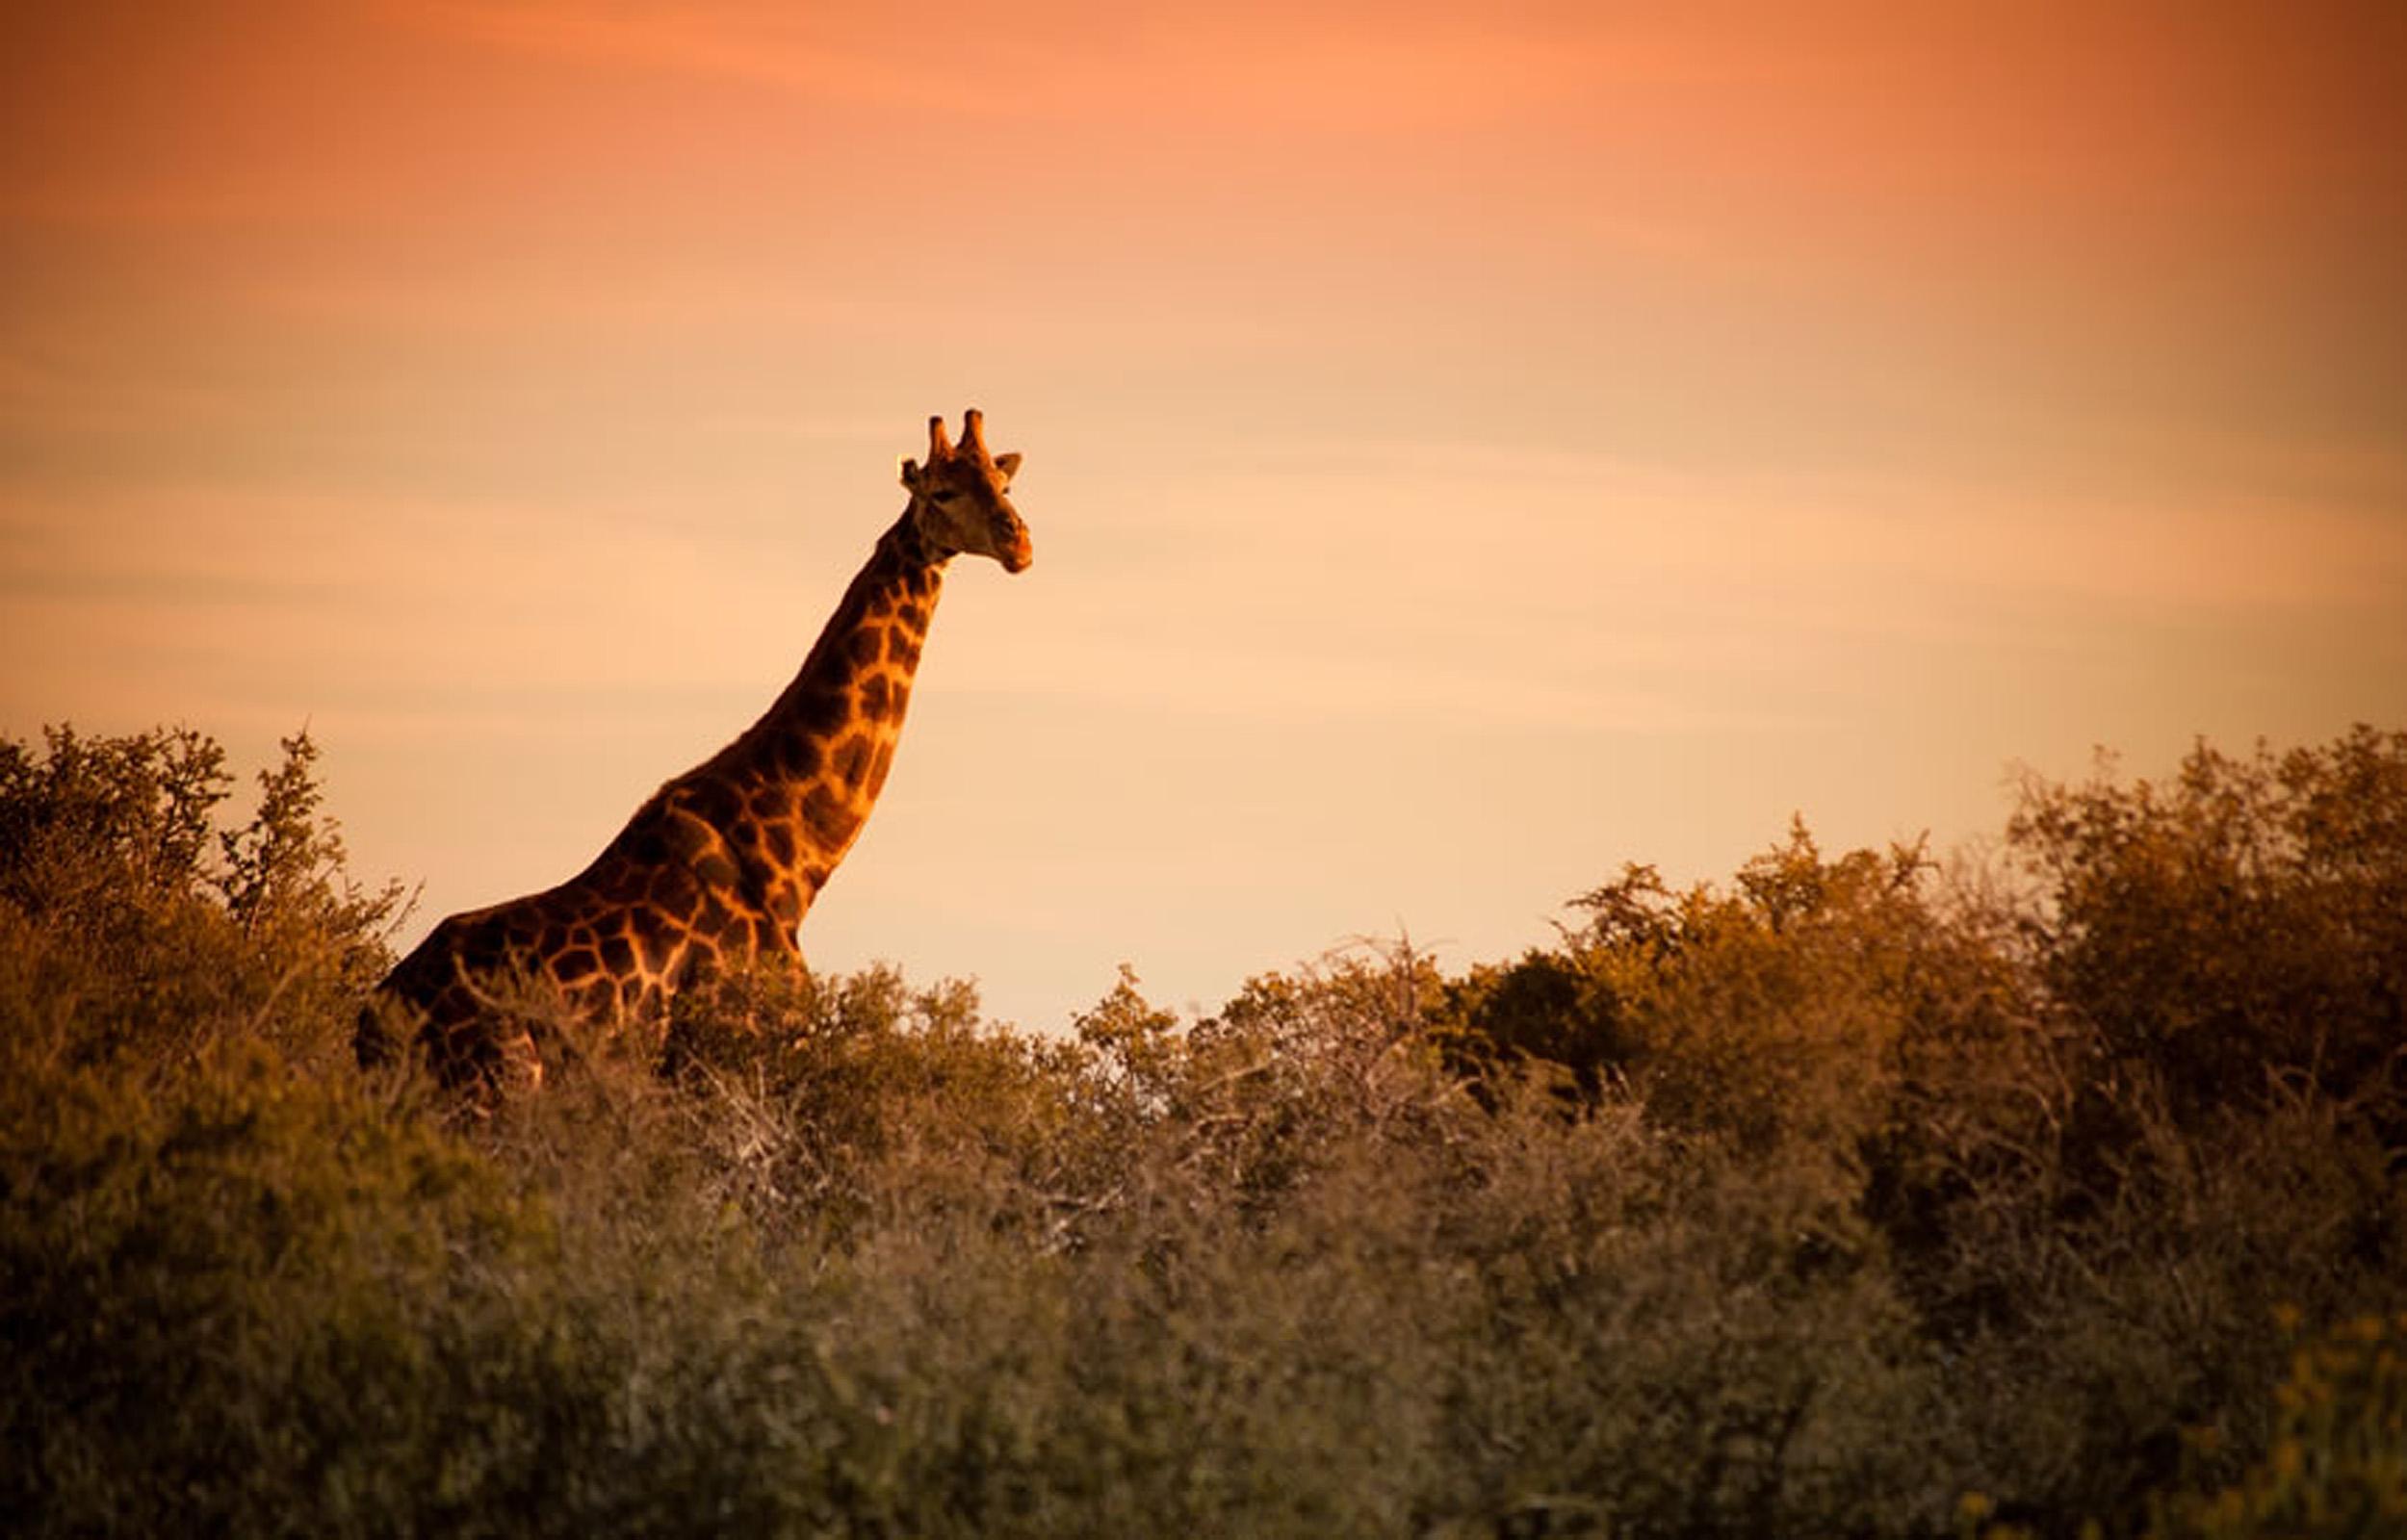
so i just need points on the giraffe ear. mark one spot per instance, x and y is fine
(1008, 464)
(911, 473)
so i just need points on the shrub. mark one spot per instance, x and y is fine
(171, 932)
(1859, 1197)
(2243, 926)
(2336, 1463)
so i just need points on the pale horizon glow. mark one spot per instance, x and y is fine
(1463, 454)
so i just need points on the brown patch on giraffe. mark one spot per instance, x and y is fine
(785, 905)
(878, 698)
(878, 767)
(798, 755)
(780, 839)
(828, 820)
(616, 879)
(479, 948)
(850, 761)
(902, 649)
(864, 648)
(821, 711)
(717, 869)
(573, 963)
(701, 960)
(657, 939)
(674, 888)
(647, 842)
(686, 833)
(712, 802)
(618, 955)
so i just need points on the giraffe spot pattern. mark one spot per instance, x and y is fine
(720, 864)
(821, 711)
(657, 939)
(649, 845)
(851, 761)
(481, 949)
(674, 888)
(712, 804)
(877, 700)
(686, 836)
(829, 820)
(798, 755)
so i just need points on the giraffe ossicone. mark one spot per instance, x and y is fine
(720, 865)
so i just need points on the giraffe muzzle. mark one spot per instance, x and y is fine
(1017, 556)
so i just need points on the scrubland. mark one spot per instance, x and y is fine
(2052, 1188)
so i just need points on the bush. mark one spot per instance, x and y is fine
(118, 890)
(2242, 928)
(1863, 1197)
(2337, 1462)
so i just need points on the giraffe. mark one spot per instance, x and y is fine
(720, 864)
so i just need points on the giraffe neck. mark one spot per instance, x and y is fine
(791, 795)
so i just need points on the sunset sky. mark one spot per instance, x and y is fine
(1468, 448)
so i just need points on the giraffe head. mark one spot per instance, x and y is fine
(960, 498)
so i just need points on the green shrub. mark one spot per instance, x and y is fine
(2336, 1463)
(1861, 1196)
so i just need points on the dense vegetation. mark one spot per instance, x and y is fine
(1867, 1195)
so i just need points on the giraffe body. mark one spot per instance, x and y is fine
(720, 865)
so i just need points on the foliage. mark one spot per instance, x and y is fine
(1867, 1195)
(2242, 928)
(168, 933)
(2337, 1463)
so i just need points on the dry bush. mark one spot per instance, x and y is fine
(1807, 1206)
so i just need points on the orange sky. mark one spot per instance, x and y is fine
(1463, 454)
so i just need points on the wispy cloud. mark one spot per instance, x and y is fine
(1259, 69)
(790, 49)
